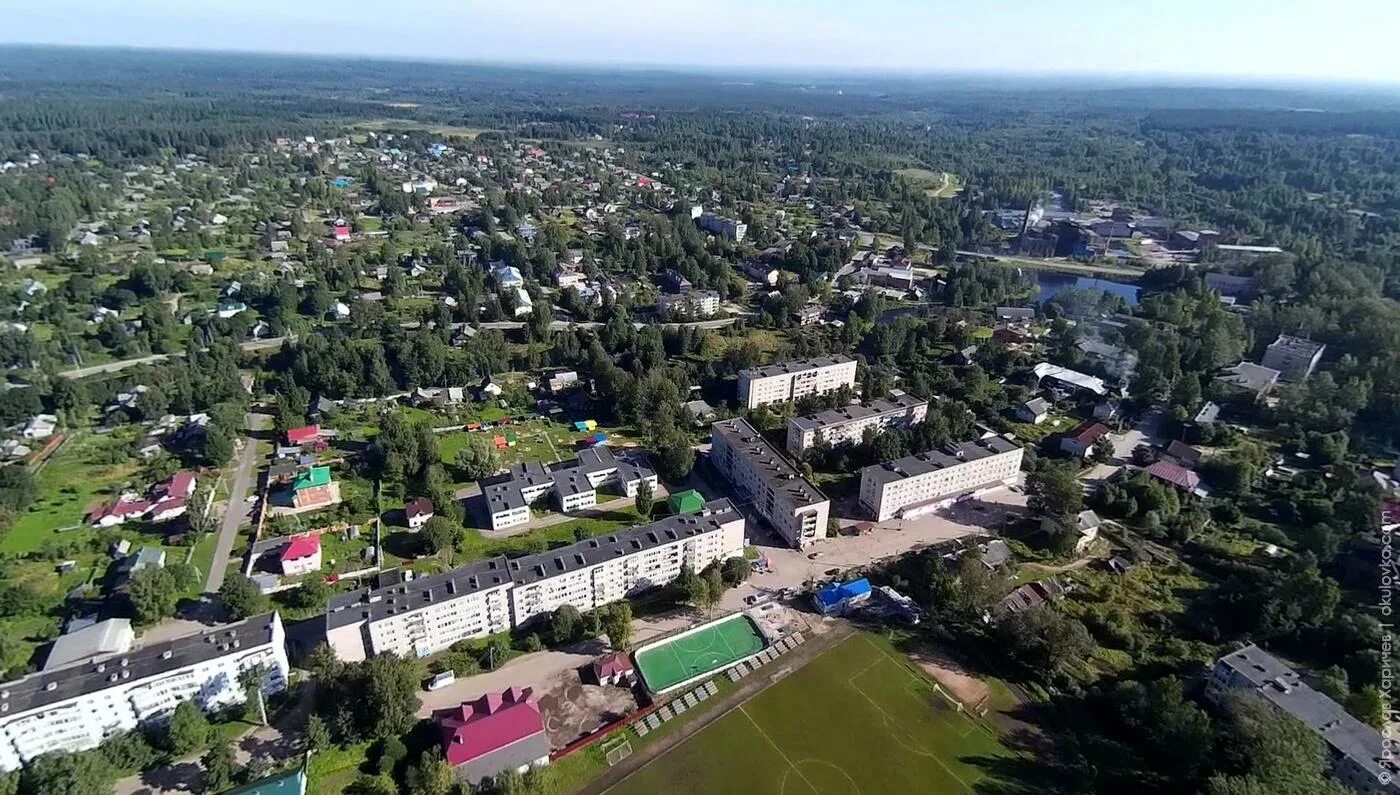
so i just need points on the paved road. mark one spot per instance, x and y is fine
(1058, 265)
(235, 514)
(114, 367)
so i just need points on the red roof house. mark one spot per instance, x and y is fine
(615, 668)
(1175, 475)
(303, 435)
(341, 232)
(493, 734)
(418, 511)
(181, 485)
(301, 555)
(1080, 441)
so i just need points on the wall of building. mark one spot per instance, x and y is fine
(885, 499)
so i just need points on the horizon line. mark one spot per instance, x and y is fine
(1184, 79)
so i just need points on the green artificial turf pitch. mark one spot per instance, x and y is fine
(858, 719)
(671, 662)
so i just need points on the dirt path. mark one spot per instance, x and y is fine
(791, 663)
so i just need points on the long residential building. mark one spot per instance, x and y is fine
(785, 499)
(574, 486)
(1354, 750)
(917, 484)
(788, 381)
(421, 616)
(847, 424)
(76, 706)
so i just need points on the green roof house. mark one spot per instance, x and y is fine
(688, 501)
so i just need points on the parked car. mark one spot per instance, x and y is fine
(442, 680)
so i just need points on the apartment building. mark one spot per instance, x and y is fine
(602, 570)
(1295, 358)
(76, 706)
(694, 303)
(724, 227)
(574, 485)
(788, 381)
(847, 424)
(420, 616)
(1354, 749)
(786, 500)
(917, 484)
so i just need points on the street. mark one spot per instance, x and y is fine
(235, 514)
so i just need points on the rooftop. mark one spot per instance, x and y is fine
(899, 403)
(949, 455)
(776, 471)
(375, 604)
(799, 366)
(507, 491)
(51, 687)
(1296, 346)
(1284, 688)
(113, 636)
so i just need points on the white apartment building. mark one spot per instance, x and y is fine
(574, 486)
(724, 227)
(602, 570)
(788, 381)
(847, 424)
(921, 483)
(696, 303)
(76, 706)
(417, 617)
(786, 500)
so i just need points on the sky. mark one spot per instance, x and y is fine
(1277, 40)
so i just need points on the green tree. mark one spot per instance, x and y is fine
(318, 737)
(1268, 751)
(219, 767)
(373, 785)
(1367, 705)
(392, 751)
(188, 730)
(241, 598)
(442, 536)
(431, 776)
(1053, 489)
(617, 624)
(566, 624)
(476, 460)
(83, 773)
(735, 571)
(644, 500)
(154, 595)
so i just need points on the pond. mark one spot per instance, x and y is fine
(1048, 283)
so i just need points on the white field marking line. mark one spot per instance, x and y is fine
(779, 750)
(961, 728)
(966, 712)
(894, 724)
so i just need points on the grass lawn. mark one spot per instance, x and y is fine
(75, 478)
(857, 719)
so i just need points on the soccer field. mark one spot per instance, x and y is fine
(859, 719)
(670, 662)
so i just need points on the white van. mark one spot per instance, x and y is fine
(442, 680)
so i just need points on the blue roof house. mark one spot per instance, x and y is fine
(834, 600)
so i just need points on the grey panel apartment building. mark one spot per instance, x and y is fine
(1294, 357)
(788, 381)
(847, 424)
(917, 484)
(791, 504)
(1353, 748)
(420, 616)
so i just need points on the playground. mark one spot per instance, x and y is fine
(861, 718)
(704, 650)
